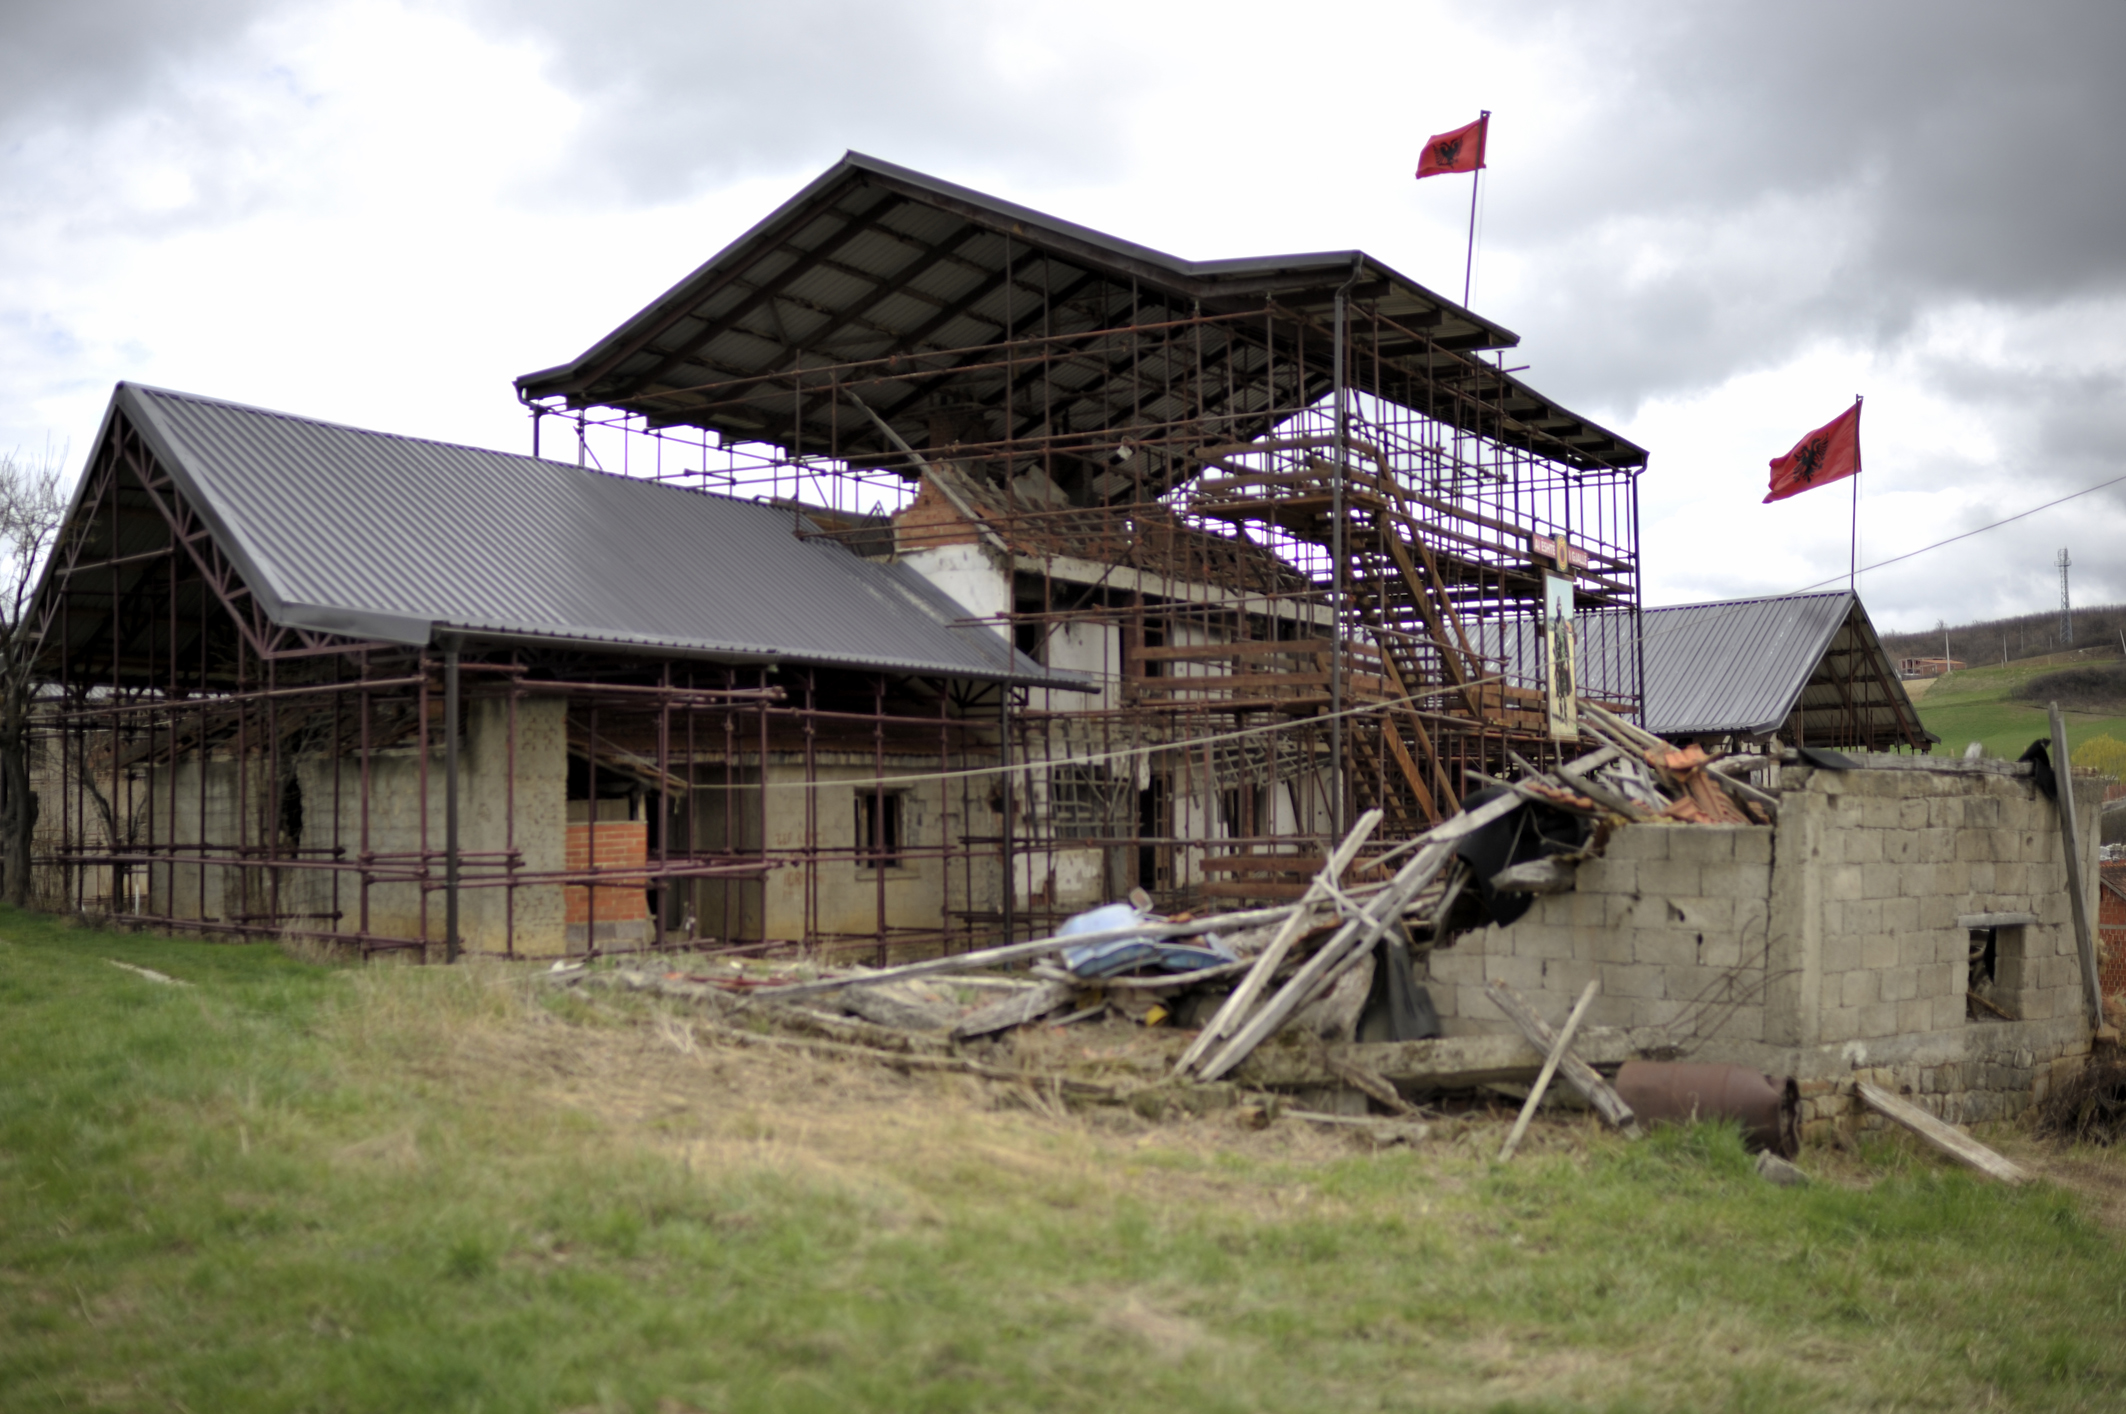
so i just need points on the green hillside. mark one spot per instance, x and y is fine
(1977, 705)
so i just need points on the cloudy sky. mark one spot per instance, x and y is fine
(1712, 225)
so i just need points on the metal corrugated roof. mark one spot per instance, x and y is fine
(872, 261)
(1735, 666)
(371, 535)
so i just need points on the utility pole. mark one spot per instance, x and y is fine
(2066, 604)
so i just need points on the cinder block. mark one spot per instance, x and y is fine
(1459, 966)
(1938, 912)
(1720, 950)
(1881, 880)
(1864, 845)
(1702, 844)
(1663, 947)
(1736, 880)
(1900, 915)
(1839, 1024)
(1708, 915)
(1912, 814)
(1639, 842)
(1751, 915)
(1634, 981)
(1857, 988)
(1540, 941)
(1935, 846)
(1973, 846)
(1567, 976)
(1654, 1011)
(1611, 947)
(1521, 973)
(1879, 1019)
(1844, 881)
(1982, 813)
(1878, 951)
(1753, 844)
(1899, 984)
(1900, 846)
(1948, 1012)
(1668, 878)
(1981, 876)
(1861, 916)
(1953, 880)
(1608, 875)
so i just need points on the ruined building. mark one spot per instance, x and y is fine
(957, 567)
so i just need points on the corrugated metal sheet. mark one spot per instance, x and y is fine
(1737, 666)
(872, 260)
(363, 533)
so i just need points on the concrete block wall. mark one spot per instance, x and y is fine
(1824, 947)
(1674, 918)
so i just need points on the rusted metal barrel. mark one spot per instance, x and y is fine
(1768, 1107)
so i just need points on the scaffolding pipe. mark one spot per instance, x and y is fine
(450, 798)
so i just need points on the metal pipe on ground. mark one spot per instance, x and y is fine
(1677, 1092)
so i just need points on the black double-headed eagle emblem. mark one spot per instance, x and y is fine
(1447, 151)
(1809, 460)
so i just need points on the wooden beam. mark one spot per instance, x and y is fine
(1956, 1144)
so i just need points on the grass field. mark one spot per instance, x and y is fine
(1977, 705)
(290, 1186)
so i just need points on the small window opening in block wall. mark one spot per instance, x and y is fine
(1994, 988)
(878, 829)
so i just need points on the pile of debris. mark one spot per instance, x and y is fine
(1190, 1000)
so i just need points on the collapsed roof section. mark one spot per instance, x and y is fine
(370, 536)
(880, 309)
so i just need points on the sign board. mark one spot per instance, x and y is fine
(1561, 659)
(1559, 551)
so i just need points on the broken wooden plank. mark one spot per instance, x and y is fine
(1550, 1068)
(1607, 1102)
(1236, 1006)
(2071, 836)
(1953, 1142)
(1029, 1005)
(1443, 1063)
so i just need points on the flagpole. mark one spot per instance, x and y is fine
(1469, 259)
(1852, 576)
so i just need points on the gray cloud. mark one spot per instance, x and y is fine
(70, 62)
(1813, 170)
(682, 96)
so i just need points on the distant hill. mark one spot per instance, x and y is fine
(2097, 632)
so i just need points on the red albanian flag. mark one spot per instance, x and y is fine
(1830, 453)
(1459, 151)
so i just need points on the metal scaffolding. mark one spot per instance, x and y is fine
(1294, 520)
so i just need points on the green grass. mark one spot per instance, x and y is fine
(1977, 705)
(294, 1187)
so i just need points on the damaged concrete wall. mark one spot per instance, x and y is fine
(1827, 947)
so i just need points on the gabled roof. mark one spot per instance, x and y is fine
(340, 530)
(873, 261)
(1750, 665)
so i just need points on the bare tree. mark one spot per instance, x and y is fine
(32, 505)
